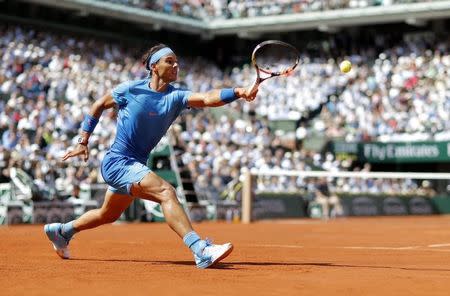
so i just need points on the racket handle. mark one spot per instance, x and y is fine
(255, 86)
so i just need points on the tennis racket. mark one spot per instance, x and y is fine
(273, 58)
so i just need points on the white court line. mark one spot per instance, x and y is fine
(381, 248)
(438, 245)
(278, 246)
(295, 222)
(355, 248)
(412, 248)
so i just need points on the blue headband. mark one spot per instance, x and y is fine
(158, 55)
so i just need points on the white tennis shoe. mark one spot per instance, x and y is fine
(212, 254)
(60, 243)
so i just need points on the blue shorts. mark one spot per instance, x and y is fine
(120, 172)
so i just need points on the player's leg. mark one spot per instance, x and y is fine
(154, 188)
(113, 206)
(61, 234)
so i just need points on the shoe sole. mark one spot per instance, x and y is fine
(223, 256)
(62, 253)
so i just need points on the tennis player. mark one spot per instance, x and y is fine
(147, 108)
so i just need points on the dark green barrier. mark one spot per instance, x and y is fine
(395, 152)
(168, 175)
(160, 152)
(442, 204)
(273, 205)
(383, 205)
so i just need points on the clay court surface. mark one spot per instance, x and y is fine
(352, 256)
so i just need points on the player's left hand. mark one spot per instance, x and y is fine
(80, 150)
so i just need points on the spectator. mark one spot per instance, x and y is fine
(11, 137)
(330, 203)
(74, 197)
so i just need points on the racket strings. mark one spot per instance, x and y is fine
(277, 59)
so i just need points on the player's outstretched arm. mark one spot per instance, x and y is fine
(88, 126)
(220, 97)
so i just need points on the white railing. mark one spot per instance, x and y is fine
(248, 180)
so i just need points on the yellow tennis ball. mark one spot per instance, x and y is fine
(345, 66)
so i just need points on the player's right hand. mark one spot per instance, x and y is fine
(250, 93)
(80, 150)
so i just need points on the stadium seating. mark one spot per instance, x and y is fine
(48, 82)
(241, 9)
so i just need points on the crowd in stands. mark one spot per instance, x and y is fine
(228, 9)
(48, 82)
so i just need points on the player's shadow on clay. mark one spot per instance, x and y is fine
(242, 265)
(219, 265)
(334, 265)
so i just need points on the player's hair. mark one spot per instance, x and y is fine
(149, 53)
